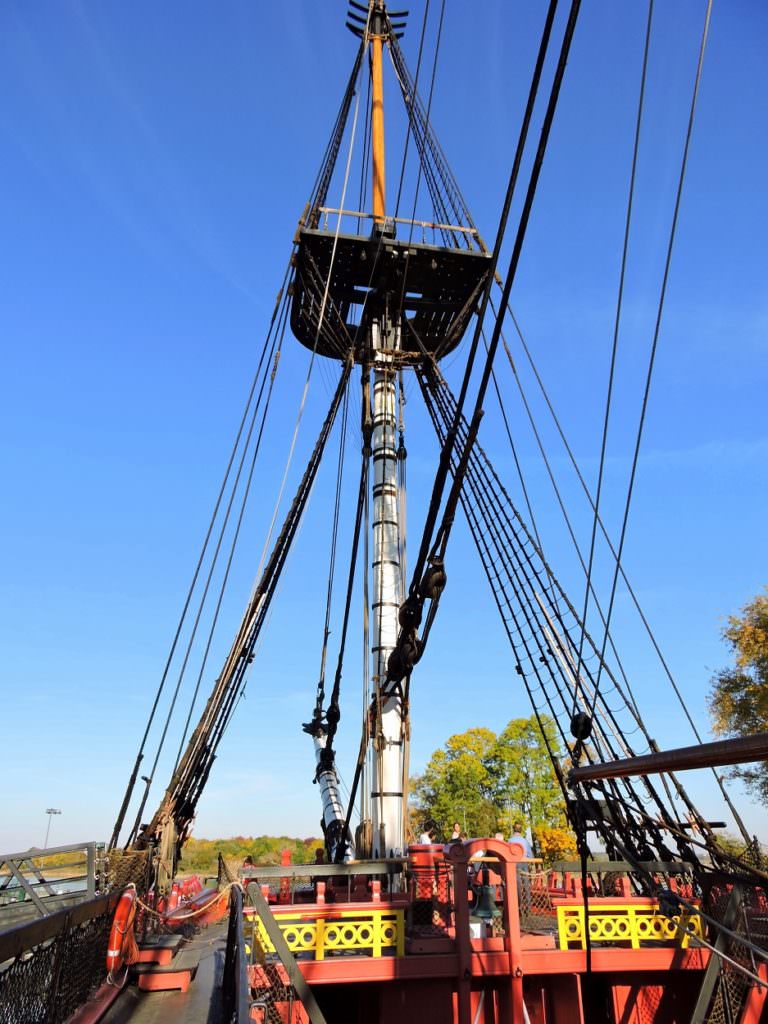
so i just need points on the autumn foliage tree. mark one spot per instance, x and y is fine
(484, 780)
(555, 844)
(738, 699)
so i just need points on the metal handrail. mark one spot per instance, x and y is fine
(235, 987)
(390, 866)
(433, 225)
(26, 878)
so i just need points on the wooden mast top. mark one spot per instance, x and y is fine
(378, 24)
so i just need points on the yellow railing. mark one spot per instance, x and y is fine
(622, 922)
(365, 931)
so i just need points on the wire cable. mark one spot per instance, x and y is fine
(445, 456)
(209, 532)
(657, 329)
(606, 536)
(410, 126)
(616, 325)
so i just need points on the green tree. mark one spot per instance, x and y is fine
(738, 699)
(525, 780)
(457, 784)
(483, 780)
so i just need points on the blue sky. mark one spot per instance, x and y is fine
(156, 160)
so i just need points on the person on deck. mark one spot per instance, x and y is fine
(456, 834)
(521, 840)
(427, 836)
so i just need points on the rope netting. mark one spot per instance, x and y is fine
(47, 983)
(744, 911)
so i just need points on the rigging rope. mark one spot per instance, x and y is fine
(587, 493)
(506, 559)
(233, 546)
(429, 109)
(616, 324)
(332, 563)
(443, 532)
(410, 126)
(209, 532)
(320, 320)
(445, 457)
(204, 596)
(193, 770)
(657, 328)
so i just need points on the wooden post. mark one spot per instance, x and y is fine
(377, 128)
(512, 932)
(458, 856)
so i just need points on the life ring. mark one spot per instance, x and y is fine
(122, 923)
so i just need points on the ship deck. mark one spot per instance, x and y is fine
(200, 1004)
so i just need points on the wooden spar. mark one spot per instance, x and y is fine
(377, 127)
(703, 755)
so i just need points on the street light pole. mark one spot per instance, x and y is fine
(50, 811)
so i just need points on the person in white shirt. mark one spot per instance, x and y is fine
(456, 834)
(427, 836)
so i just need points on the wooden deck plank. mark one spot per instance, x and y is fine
(200, 1004)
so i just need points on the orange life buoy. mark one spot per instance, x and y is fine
(122, 923)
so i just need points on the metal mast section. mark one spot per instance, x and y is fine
(389, 717)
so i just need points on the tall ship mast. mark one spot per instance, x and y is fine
(397, 301)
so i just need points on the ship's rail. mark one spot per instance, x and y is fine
(303, 883)
(631, 924)
(362, 930)
(36, 882)
(471, 234)
(235, 987)
(49, 967)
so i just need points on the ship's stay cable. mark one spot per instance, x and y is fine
(614, 650)
(193, 770)
(214, 562)
(365, 155)
(513, 449)
(201, 558)
(561, 504)
(283, 547)
(332, 560)
(606, 536)
(503, 548)
(441, 182)
(569, 526)
(233, 545)
(231, 699)
(526, 627)
(410, 126)
(203, 599)
(332, 714)
(615, 341)
(445, 457)
(201, 733)
(320, 320)
(429, 111)
(657, 328)
(441, 539)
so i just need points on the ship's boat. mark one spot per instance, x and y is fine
(655, 920)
